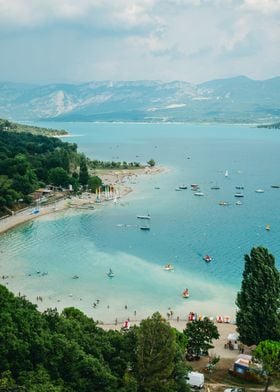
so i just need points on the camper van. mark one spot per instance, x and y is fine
(195, 379)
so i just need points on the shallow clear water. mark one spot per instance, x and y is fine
(183, 227)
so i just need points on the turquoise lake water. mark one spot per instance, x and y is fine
(183, 227)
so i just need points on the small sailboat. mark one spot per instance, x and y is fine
(226, 173)
(238, 194)
(110, 274)
(145, 222)
(215, 187)
(168, 267)
(224, 203)
(148, 216)
(185, 293)
(207, 258)
(267, 227)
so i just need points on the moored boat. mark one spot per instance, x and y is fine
(183, 187)
(186, 293)
(199, 194)
(259, 191)
(207, 258)
(267, 227)
(215, 187)
(275, 186)
(223, 203)
(110, 274)
(238, 194)
(238, 203)
(168, 267)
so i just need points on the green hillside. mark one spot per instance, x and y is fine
(6, 125)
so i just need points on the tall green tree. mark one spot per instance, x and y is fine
(83, 176)
(59, 177)
(94, 183)
(151, 162)
(268, 353)
(156, 351)
(200, 334)
(258, 301)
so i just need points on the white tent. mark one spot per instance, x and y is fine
(232, 337)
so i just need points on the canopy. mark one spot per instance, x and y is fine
(233, 336)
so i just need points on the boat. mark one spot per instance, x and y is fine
(157, 187)
(178, 189)
(259, 191)
(145, 221)
(238, 194)
(110, 274)
(199, 194)
(239, 187)
(223, 203)
(145, 228)
(275, 186)
(183, 187)
(226, 173)
(238, 203)
(186, 293)
(148, 216)
(75, 277)
(168, 267)
(215, 187)
(267, 227)
(207, 258)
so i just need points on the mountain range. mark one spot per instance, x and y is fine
(237, 99)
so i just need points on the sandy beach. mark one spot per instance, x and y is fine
(120, 179)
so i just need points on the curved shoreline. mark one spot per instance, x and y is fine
(109, 177)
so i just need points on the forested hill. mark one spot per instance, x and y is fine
(9, 126)
(67, 352)
(30, 161)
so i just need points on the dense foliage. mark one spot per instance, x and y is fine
(68, 352)
(28, 161)
(200, 334)
(258, 301)
(97, 164)
(268, 353)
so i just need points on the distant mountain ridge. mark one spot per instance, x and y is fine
(237, 99)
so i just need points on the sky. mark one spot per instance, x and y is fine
(74, 41)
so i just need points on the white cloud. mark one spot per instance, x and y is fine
(139, 39)
(263, 6)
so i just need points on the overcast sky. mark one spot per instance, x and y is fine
(83, 40)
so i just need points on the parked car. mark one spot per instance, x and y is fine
(195, 379)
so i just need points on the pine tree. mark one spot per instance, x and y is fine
(258, 300)
(84, 176)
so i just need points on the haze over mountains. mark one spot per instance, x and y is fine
(238, 99)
